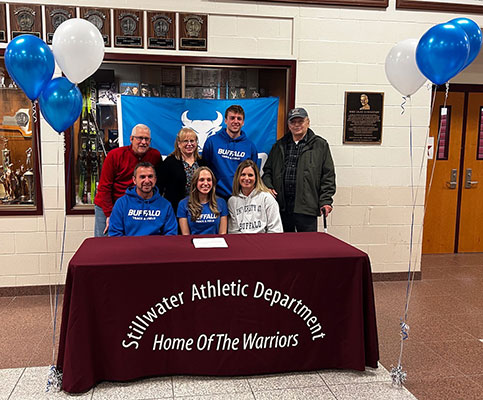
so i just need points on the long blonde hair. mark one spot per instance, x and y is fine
(194, 204)
(259, 185)
(183, 132)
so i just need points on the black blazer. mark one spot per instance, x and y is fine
(171, 179)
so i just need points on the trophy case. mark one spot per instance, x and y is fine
(223, 83)
(95, 133)
(19, 155)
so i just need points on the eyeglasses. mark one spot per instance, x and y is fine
(141, 138)
(191, 141)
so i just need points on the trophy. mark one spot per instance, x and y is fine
(101, 18)
(27, 180)
(193, 32)
(161, 30)
(20, 119)
(128, 28)
(16, 185)
(54, 16)
(6, 177)
(3, 23)
(25, 18)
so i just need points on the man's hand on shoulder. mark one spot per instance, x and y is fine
(273, 192)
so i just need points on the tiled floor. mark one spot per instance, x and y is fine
(444, 352)
(29, 384)
(443, 355)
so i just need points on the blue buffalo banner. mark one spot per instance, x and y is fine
(166, 116)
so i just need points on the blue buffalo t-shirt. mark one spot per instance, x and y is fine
(223, 154)
(207, 222)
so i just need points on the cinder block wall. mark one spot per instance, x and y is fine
(337, 50)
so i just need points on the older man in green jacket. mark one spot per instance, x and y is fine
(300, 174)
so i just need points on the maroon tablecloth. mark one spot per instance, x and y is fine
(144, 306)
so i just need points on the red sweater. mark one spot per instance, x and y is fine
(116, 174)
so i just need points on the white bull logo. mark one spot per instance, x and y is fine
(203, 128)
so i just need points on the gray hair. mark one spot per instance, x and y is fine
(142, 126)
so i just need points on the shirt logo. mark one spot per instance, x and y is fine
(203, 128)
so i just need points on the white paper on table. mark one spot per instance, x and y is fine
(209, 243)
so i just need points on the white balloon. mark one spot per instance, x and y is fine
(401, 68)
(78, 48)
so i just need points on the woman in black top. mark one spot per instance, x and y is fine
(175, 172)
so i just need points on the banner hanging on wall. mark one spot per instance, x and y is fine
(166, 116)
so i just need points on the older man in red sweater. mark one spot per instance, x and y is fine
(117, 172)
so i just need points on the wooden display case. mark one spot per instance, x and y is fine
(160, 76)
(19, 150)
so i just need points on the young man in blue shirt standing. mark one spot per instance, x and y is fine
(224, 151)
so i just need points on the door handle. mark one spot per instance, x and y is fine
(468, 182)
(452, 183)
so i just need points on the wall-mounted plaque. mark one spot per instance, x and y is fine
(161, 29)
(26, 18)
(455, 6)
(54, 16)
(363, 117)
(128, 28)
(3, 23)
(101, 18)
(193, 30)
(345, 3)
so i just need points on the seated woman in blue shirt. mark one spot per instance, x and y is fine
(202, 212)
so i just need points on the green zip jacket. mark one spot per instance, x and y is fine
(315, 174)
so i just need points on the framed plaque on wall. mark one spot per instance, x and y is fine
(363, 117)
(193, 30)
(459, 6)
(161, 29)
(101, 18)
(3, 23)
(26, 18)
(341, 3)
(54, 16)
(128, 28)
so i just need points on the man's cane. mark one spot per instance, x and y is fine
(324, 213)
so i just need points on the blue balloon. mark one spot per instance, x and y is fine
(473, 31)
(61, 103)
(442, 52)
(30, 63)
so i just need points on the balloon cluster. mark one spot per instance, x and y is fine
(78, 49)
(442, 53)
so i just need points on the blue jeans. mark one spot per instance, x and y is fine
(99, 222)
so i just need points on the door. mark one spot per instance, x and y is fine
(453, 221)
(471, 209)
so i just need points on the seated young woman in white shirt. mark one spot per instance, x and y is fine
(252, 207)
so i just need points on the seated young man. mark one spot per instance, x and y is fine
(142, 211)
